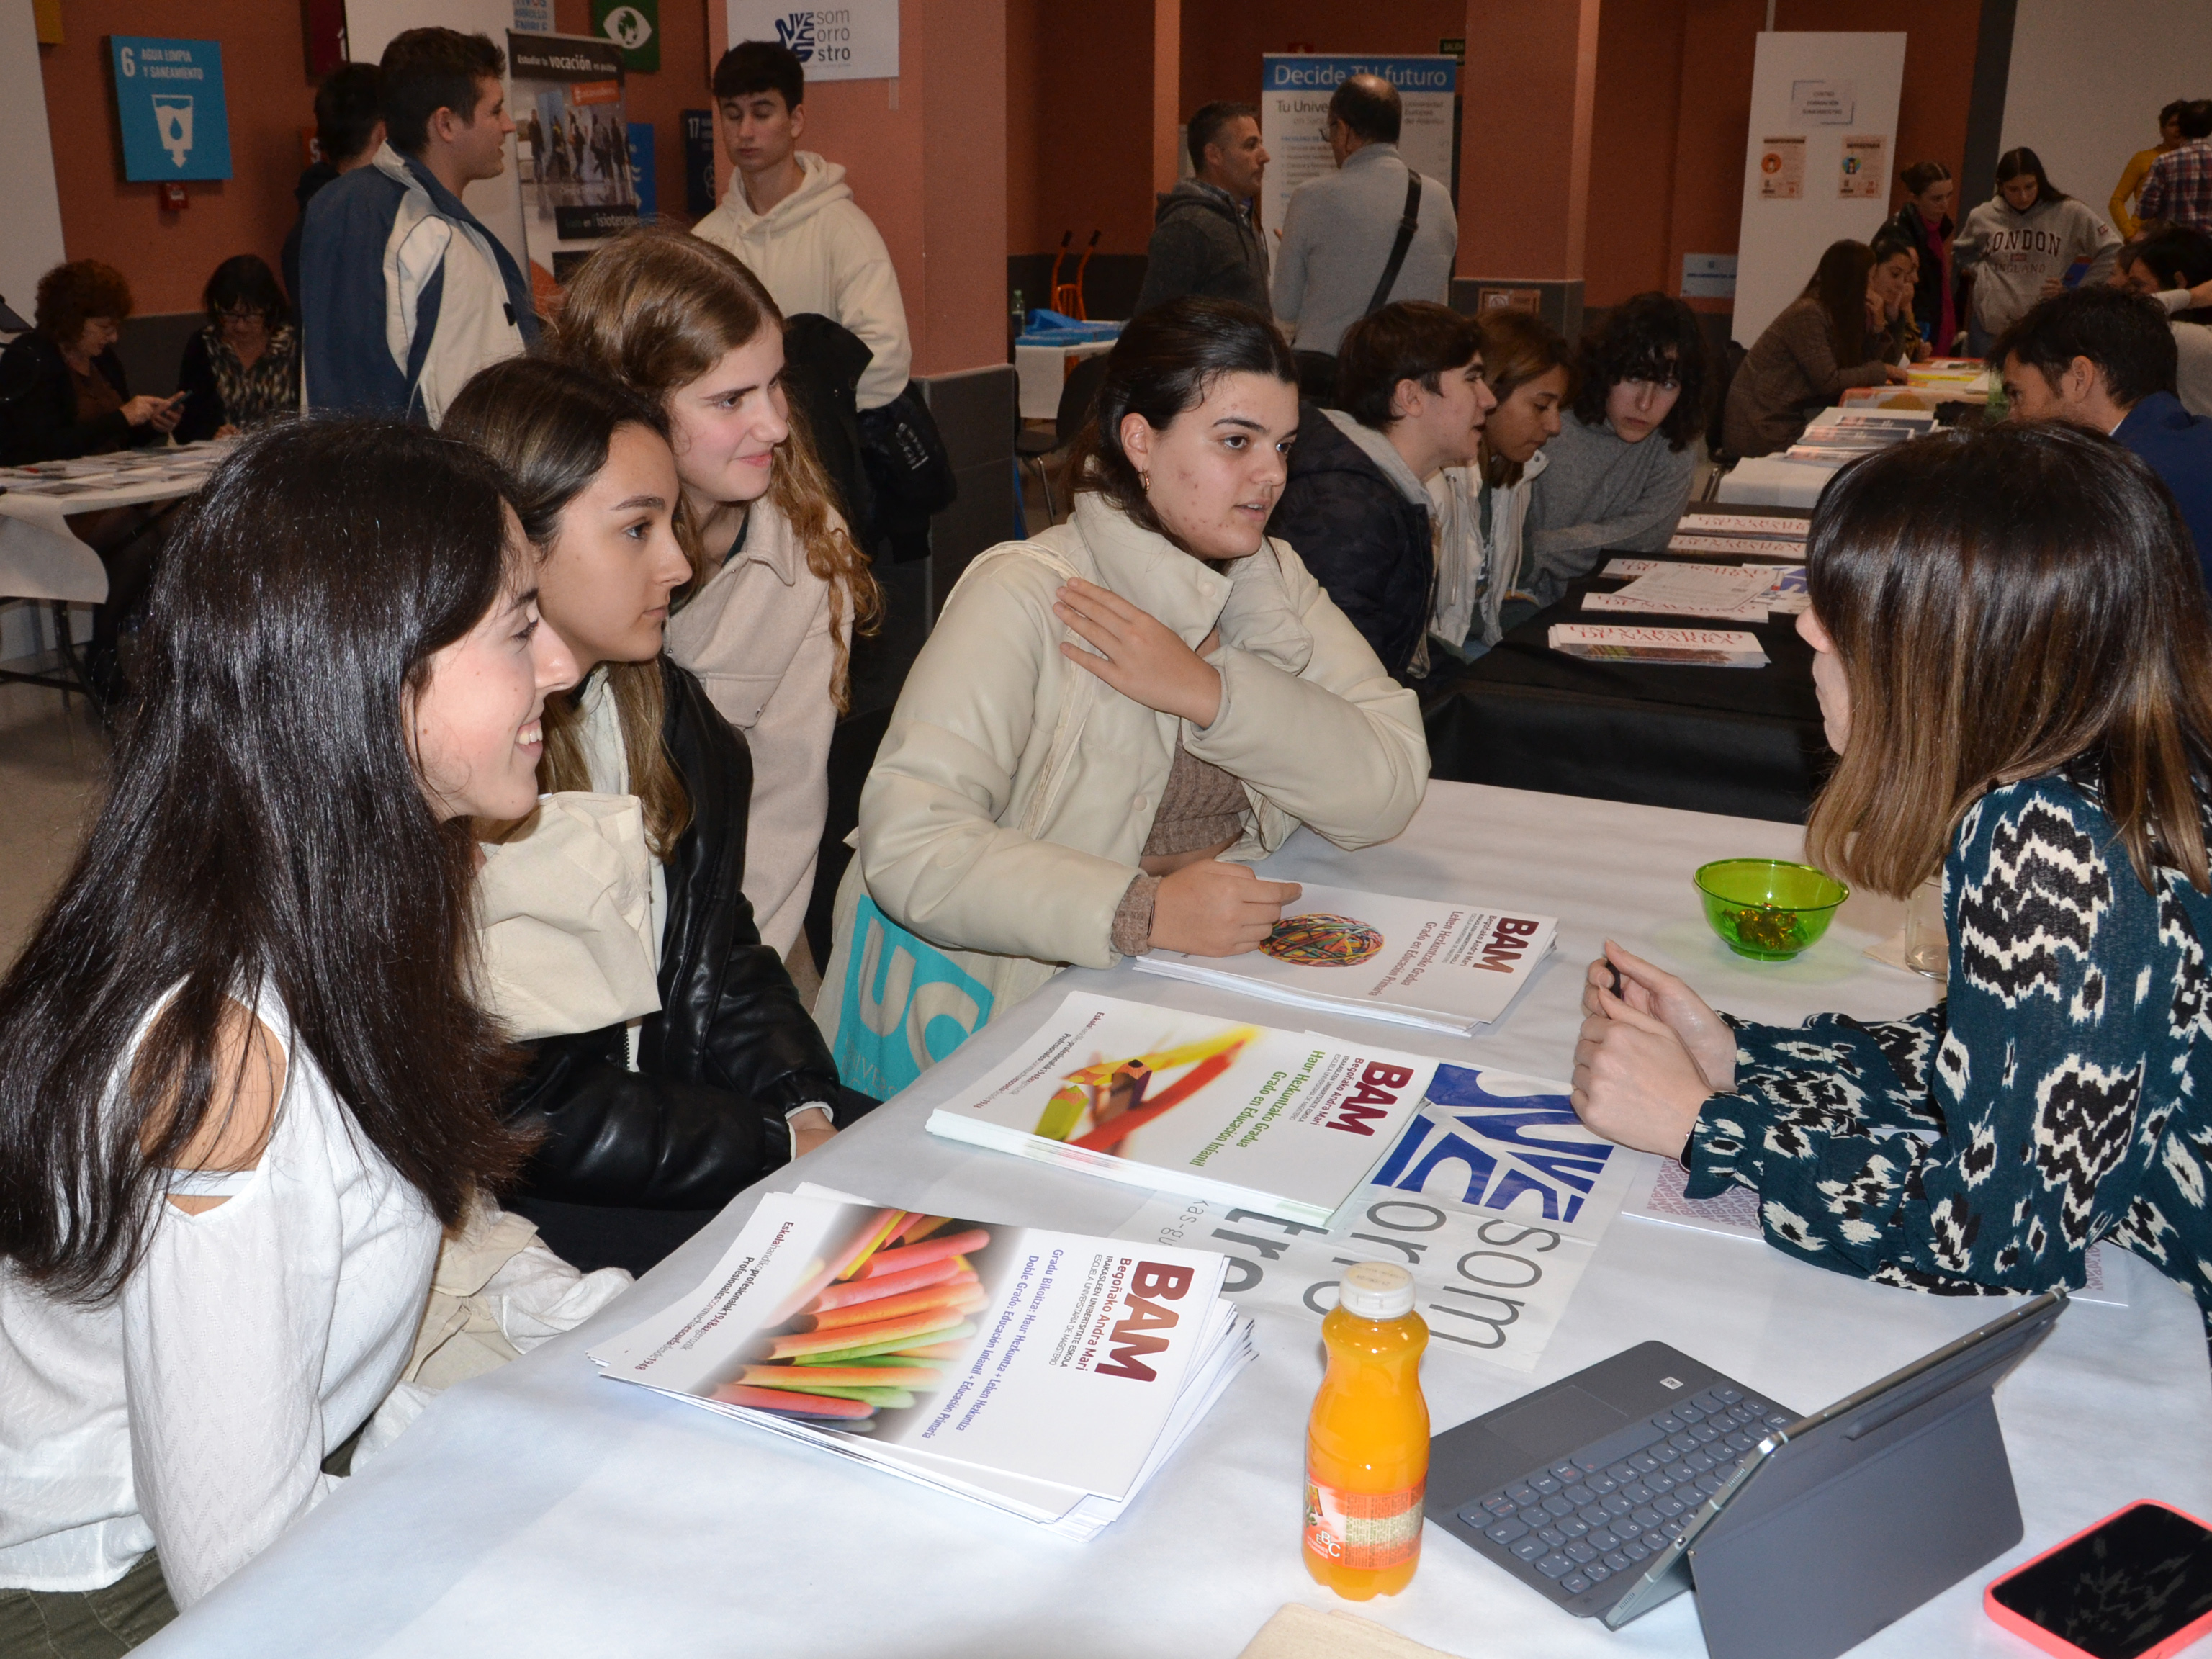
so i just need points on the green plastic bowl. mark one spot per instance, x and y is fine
(1769, 909)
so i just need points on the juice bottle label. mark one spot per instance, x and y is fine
(1363, 1529)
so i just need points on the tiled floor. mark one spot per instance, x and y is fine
(52, 771)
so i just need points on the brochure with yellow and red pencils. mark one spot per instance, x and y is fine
(952, 1351)
(1185, 1102)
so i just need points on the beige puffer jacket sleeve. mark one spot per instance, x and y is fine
(1333, 742)
(931, 848)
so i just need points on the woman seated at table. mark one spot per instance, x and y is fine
(1640, 375)
(1818, 347)
(650, 1123)
(1109, 722)
(243, 1087)
(62, 388)
(781, 589)
(63, 394)
(2014, 661)
(1486, 577)
(1890, 288)
(242, 370)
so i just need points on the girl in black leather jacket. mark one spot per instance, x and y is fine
(651, 1125)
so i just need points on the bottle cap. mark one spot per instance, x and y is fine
(1375, 1290)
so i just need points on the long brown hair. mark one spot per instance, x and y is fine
(655, 309)
(2005, 604)
(1517, 347)
(1839, 284)
(265, 826)
(550, 426)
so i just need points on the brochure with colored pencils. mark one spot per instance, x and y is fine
(1450, 968)
(1183, 1103)
(953, 1352)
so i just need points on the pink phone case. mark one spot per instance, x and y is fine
(2058, 1644)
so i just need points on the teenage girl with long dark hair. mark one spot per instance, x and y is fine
(652, 1124)
(243, 1085)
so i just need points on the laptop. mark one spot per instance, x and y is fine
(1615, 1489)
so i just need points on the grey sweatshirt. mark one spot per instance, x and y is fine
(1336, 240)
(1597, 493)
(2012, 254)
(1203, 242)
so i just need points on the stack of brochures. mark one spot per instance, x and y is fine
(1771, 588)
(1048, 1375)
(1440, 967)
(1755, 535)
(1838, 435)
(1700, 647)
(1182, 1102)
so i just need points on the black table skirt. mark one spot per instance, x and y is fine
(1743, 741)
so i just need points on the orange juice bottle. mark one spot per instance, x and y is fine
(1367, 1444)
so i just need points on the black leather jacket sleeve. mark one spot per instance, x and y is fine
(615, 1137)
(730, 1014)
(733, 1049)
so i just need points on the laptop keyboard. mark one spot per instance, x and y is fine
(1605, 1510)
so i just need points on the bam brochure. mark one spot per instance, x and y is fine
(1184, 1103)
(1440, 967)
(954, 1353)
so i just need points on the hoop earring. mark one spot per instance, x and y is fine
(1146, 479)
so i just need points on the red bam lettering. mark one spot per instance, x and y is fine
(1133, 1338)
(1503, 954)
(1379, 1092)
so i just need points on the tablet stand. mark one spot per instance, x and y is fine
(1828, 1546)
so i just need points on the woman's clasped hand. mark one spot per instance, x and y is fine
(1649, 1056)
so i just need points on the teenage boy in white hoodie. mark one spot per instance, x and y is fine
(790, 216)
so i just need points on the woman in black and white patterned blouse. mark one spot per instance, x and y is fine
(2014, 662)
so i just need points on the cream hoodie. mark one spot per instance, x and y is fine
(1309, 723)
(816, 251)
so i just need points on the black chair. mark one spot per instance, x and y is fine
(1076, 397)
(1717, 450)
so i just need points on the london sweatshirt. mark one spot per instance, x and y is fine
(2012, 254)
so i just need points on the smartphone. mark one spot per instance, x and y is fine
(2137, 1585)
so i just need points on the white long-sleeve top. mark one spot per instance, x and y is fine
(191, 1412)
(758, 636)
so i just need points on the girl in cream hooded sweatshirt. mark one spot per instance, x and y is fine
(2017, 252)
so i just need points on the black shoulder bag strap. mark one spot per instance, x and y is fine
(1405, 228)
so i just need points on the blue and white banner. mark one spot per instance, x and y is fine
(1494, 1198)
(168, 98)
(1294, 93)
(857, 40)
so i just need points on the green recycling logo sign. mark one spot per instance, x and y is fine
(633, 25)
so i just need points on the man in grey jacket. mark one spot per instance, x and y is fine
(1339, 230)
(1205, 239)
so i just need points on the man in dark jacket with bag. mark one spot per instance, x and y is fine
(1207, 238)
(1356, 507)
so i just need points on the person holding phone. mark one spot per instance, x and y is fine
(2013, 660)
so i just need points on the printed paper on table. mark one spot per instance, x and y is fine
(1706, 648)
(1494, 1198)
(1185, 1102)
(1413, 962)
(956, 1352)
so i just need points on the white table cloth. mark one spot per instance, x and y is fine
(1041, 372)
(40, 558)
(539, 1510)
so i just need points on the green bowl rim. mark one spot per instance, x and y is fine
(1699, 880)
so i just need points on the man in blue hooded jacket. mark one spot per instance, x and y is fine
(405, 294)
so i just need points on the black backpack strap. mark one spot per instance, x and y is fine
(1406, 226)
